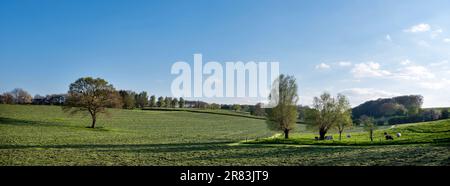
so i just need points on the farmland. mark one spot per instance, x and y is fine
(44, 135)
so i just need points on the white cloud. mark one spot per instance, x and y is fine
(423, 43)
(323, 66)
(413, 75)
(345, 63)
(440, 64)
(447, 40)
(436, 33)
(422, 27)
(405, 62)
(361, 95)
(435, 85)
(413, 72)
(369, 69)
(388, 37)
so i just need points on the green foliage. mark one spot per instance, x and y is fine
(369, 125)
(152, 102)
(431, 114)
(236, 107)
(283, 116)
(181, 102)
(141, 99)
(396, 106)
(329, 112)
(128, 99)
(161, 102)
(214, 106)
(174, 103)
(258, 110)
(445, 114)
(393, 109)
(91, 95)
(167, 101)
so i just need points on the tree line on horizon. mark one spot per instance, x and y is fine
(94, 95)
(128, 99)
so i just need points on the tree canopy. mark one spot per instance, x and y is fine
(396, 106)
(328, 112)
(91, 95)
(283, 116)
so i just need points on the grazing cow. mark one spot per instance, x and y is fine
(349, 136)
(388, 137)
(328, 137)
(399, 134)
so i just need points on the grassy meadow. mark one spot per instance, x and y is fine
(44, 135)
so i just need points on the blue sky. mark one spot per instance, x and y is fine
(363, 49)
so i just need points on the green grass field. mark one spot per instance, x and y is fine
(44, 135)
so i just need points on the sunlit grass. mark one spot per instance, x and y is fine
(44, 135)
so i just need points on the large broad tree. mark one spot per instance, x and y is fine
(283, 116)
(328, 112)
(91, 95)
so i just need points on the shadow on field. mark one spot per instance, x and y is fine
(20, 122)
(173, 147)
(186, 147)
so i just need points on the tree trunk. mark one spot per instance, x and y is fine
(286, 134)
(340, 135)
(322, 133)
(371, 136)
(94, 119)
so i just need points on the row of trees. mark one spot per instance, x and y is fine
(133, 100)
(16, 96)
(167, 102)
(422, 116)
(94, 95)
(327, 112)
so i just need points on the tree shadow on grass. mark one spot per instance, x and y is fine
(177, 147)
(172, 147)
(262, 151)
(21, 122)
